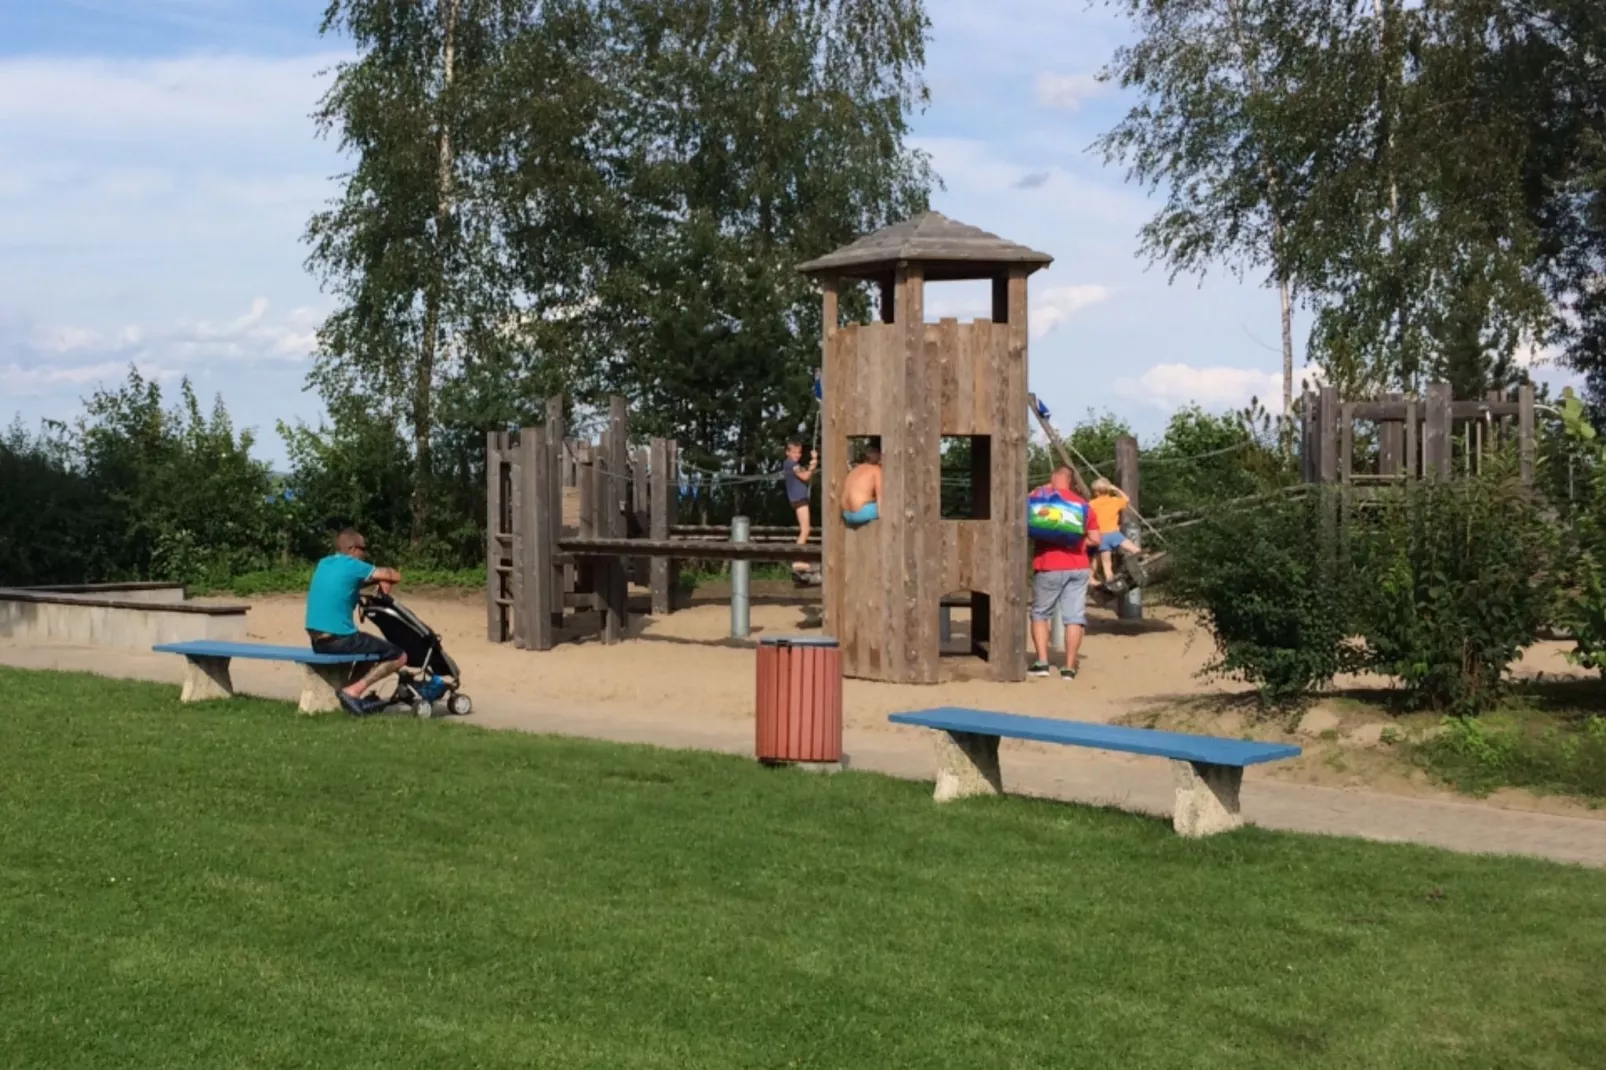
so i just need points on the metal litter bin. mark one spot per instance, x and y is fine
(799, 704)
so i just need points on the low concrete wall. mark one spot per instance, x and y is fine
(165, 593)
(35, 616)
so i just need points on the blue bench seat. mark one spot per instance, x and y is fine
(1209, 769)
(207, 676)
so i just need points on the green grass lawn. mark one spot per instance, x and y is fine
(234, 885)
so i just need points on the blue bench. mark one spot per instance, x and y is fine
(206, 674)
(1209, 770)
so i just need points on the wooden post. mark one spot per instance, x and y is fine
(495, 628)
(1327, 470)
(1005, 607)
(559, 473)
(1436, 457)
(518, 500)
(1526, 445)
(1130, 607)
(640, 521)
(542, 598)
(1310, 439)
(616, 589)
(661, 518)
(533, 612)
(1390, 441)
(1413, 452)
(1346, 442)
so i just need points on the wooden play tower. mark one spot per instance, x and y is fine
(907, 385)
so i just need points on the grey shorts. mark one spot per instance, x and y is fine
(1067, 590)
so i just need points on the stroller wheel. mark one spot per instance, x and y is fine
(423, 710)
(459, 705)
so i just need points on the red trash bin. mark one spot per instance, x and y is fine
(799, 700)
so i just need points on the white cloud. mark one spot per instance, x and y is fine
(69, 355)
(1067, 92)
(127, 99)
(21, 382)
(1056, 304)
(1171, 386)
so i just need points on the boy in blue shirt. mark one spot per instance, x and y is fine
(331, 603)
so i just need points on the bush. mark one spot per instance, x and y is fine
(1583, 604)
(1262, 577)
(1455, 580)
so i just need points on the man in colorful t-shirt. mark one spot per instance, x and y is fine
(1059, 580)
(331, 601)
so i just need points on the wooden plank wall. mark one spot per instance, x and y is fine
(1010, 567)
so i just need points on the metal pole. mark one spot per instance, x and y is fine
(1056, 631)
(739, 588)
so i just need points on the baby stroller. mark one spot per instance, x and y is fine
(430, 675)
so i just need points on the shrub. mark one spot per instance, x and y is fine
(1583, 604)
(1456, 579)
(1262, 577)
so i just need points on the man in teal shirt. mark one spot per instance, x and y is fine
(331, 604)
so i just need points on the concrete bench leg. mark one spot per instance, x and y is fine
(319, 684)
(206, 679)
(967, 764)
(1207, 798)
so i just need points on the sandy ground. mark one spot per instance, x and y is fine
(1143, 672)
(681, 682)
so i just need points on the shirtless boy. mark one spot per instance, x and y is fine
(861, 490)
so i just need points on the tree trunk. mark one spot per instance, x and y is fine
(424, 382)
(1285, 296)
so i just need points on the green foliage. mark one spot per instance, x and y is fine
(1481, 755)
(1427, 177)
(1264, 582)
(136, 490)
(50, 516)
(1453, 582)
(1583, 606)
(1205, 459)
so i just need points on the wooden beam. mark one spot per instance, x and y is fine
(663, 488)
(494, 552)
(711, 550)
(1346, 442)
(1526, 444)
(518, 495)
(535, 566)
(616, 589)
(1390, 437)
(1436, 458)
(1327, 472)
(560, 474)
(1078, 483)
(1413, 454)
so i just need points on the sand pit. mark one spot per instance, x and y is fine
(686, 664)
(684, 670)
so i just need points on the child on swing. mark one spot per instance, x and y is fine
(1107, 504)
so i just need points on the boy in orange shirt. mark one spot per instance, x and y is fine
(1106, 506)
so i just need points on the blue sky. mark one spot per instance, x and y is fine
(158, 166)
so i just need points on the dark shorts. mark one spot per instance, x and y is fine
(357, 643)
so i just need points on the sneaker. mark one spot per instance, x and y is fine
(1068, 673)
(1037, 668)
(355, 706)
